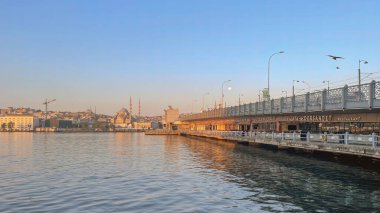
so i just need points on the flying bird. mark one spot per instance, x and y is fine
(335, 57)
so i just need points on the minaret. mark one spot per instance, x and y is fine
(130, 109)
(139, 109)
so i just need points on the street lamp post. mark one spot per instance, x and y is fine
(221, 104)
(286, 93)
(239, 97)
(203, 100)
(359, 76)
(328, 85)
(260, 95)
(270, 58)
(293, 86)
(307, 84)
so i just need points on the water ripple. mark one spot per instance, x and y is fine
(137, 173)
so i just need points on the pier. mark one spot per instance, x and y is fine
(360, 149)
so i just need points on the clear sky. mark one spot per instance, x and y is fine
(170, 52)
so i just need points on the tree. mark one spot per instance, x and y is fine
(11, 125)
(3, 126)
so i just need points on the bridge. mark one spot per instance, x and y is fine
(355, 106)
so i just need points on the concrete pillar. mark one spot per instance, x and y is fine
(263, 106)
(346, 135)
(323, 100)
(256, 106)
(372, 94)
(294, 137)
(374, 141)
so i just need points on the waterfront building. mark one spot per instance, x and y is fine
(18, 123)
(170, 116)
(123, 119)
(60, 123)
(156, 125)
(142, 125)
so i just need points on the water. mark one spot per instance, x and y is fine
(130, 172)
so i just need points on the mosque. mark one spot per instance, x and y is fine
(123, 119)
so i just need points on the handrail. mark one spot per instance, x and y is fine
(344, 138)
(347, 97)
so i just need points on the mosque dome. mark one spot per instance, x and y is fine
(123, 110)
(122, 117)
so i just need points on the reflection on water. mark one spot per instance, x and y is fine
(109, 172)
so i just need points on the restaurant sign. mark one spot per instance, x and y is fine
(312, 118)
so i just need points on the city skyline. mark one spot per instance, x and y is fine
(173, 52)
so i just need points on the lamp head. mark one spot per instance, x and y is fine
(281, 52)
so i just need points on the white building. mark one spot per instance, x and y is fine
(170, 116)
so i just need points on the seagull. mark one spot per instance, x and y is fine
(335, 57)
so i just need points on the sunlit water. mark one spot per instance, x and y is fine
(130, 172)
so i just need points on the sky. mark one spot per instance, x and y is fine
(97, 53)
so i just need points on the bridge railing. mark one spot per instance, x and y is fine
(365, 96)
(293, 137)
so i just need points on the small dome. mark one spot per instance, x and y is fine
(123, 110)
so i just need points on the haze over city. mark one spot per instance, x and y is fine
(99, 53)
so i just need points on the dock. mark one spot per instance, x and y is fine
(365, 153)
(161, 132)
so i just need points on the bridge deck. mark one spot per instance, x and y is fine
(358, 97)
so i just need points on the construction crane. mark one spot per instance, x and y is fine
(46, 103)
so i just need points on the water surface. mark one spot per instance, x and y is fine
(131, 172)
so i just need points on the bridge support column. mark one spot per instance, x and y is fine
(372, 94)
(251, 109)
(263, 103)
(281, 104)
(271, 106)
(307, 98)
(293, 102)
(323, 100)
(344, 96)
